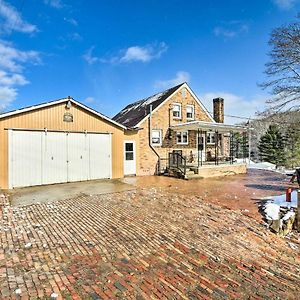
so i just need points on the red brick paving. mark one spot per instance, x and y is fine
(152, 243)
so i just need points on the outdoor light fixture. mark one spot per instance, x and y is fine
(68, 105)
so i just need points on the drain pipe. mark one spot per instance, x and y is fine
(150, 140)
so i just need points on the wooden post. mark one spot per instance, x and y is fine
(298, 210)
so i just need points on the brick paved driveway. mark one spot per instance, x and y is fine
(151, 243)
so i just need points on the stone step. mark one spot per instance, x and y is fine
(193, 176)
(190, 172)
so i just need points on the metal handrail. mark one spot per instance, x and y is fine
(178, 162)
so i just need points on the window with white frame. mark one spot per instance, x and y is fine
(190, 112)
(183, 93)
(156, 137)
(177, 111)
(210, 137)
(182, 137)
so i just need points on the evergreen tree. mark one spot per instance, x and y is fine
(292, 146)
(271, 146)
(240, 145)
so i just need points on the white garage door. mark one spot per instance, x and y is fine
(38, 157)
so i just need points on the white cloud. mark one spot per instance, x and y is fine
(235, 105)
(71, 21)
(128, 55)
(89, 99)
(75, 37)
(11, 20)
(143, 53)
(231, 29)
(11, 58)
(13, 79)
(7, 95)
(136, 53)
(284, 4)
(180, 77)
(12, 62)
(54, 3)
(89, 58)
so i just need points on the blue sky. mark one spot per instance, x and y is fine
(109, 53)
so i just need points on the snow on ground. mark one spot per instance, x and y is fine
(281, 200)
(288, 215)
(264, 165)
(272, 211)
(261, 165)
(272, 208)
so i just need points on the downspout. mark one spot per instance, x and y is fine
(150, 140)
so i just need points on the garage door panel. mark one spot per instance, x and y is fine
(54, 157)
(78, 157)
(39, 157)
(100, 156)
(25, 148)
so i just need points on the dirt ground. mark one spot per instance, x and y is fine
(165, 239)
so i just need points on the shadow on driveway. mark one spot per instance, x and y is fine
(266, 187)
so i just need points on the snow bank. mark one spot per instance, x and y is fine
(272, 211)
(288, 215)
(262, 166)
(280, 200)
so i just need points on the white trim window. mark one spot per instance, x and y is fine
(182, 137)
(176, 110)
(210, 138)
(190, 112)
(183, 93)
(156, 137)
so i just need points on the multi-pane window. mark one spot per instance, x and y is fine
(177, 111)
(129, 154)
(190, 112)
(156, 137)
(182, 137)
(211, 137)
(183, 93)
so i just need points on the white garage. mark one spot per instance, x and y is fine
(37, 157)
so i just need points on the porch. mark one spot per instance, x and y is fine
(220, 150)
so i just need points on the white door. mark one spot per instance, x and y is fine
(78, 157)
(54, 158)
(201, 144)
(100, 156)
(25, 158)
(129, 158)
(39, 157)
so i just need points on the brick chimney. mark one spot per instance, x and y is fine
(219, 110)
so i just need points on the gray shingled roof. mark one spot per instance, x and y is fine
(135, 112)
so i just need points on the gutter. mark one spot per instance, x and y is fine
(150, 139)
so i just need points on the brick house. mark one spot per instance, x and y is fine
(64, 140)
(175, 125)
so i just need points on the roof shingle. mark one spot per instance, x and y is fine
(133, 113)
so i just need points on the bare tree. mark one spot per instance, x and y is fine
(283, 70)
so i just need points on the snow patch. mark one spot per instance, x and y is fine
(18, 291)
(54, 296)
(288, 215)
(262, 166)
(272, 211)
(281, 200)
